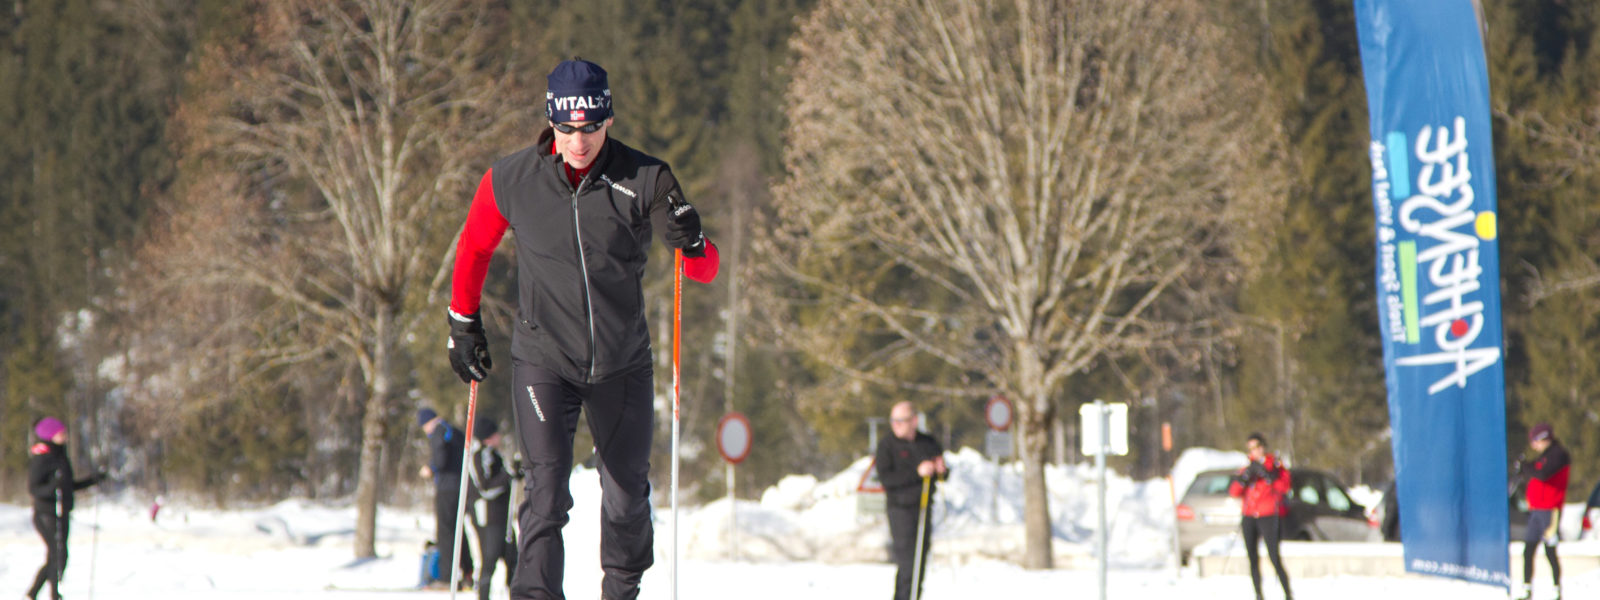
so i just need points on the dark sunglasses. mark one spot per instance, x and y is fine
(590, 128)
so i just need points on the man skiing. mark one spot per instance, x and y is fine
(491, 514)
(446, 446)
(1547, 492)
(583, 206)
(906, 461)
(1262, 484)
(51, 483)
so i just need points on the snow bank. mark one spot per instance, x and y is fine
(978, 514)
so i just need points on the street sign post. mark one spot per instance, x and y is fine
(1105, 431)
(733, 442)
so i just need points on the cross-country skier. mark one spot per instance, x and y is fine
(491, 490)
(904, 460)
(446, 445)
(1547, 492)
(583, 206)
(51, 483)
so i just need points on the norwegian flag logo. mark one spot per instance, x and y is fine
(577, 115)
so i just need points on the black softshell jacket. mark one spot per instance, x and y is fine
(50, 478)
(897, 462)
(581, 256)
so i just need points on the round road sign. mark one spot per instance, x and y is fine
(998, 412)
(733, 437)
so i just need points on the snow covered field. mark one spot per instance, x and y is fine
(802, 539)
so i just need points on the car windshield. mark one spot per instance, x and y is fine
(1210, 484)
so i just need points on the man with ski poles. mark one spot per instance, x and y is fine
(446, 444)
(583, 206)
(908, 462)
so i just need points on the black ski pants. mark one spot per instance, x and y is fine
(493, 541)
(1264, 529)
(621, 418)
(54, 532)
(903, 537)
(446, 494)
(1541, 531)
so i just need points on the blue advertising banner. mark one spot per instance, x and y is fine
(1438, 272)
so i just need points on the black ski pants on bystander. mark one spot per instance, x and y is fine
(54, 532)
(1267, 529)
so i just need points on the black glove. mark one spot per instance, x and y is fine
(683, 230)
(1258, 471)
(516, 466)
(469, 347)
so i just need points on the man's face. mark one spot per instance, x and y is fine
(1256, 450)
(576, 146)
(903, 421)
(1540, 445)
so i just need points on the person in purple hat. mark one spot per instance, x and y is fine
(584, 207)
(51, 483)
(1547, 477)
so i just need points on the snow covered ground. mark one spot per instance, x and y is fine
(803, 539)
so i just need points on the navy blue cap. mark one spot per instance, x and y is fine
(484, 429)
(424, 415)
(578, 92)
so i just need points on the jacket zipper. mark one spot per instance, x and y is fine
(583, 263)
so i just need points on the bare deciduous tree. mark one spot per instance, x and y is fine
(349, 133)
(1008, 186)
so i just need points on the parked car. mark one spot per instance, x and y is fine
(1387, 515)
(1320, 509)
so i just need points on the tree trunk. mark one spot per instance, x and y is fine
(374, 431)
(1035, 440)
(1035, 413)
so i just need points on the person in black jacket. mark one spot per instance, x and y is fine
(584, 207)
(903, 461)
(51, 483)
(447, 445)
(491, 506)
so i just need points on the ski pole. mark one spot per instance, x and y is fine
(61, 543)
(922, 522)
(677, 338)
(94, 543)
(461, 497)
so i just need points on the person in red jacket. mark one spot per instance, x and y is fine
(1547, 491)
(1262, 484)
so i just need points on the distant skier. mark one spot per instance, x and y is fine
(51, 483)
(491, 513)
(584, 207)
(904, 460)
(1547, 492)
(446, 447)
(1262, 484)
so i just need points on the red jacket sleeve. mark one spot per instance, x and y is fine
(479, 237)
(703, 268)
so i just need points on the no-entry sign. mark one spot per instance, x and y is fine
(733, 437)
(998, 412)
